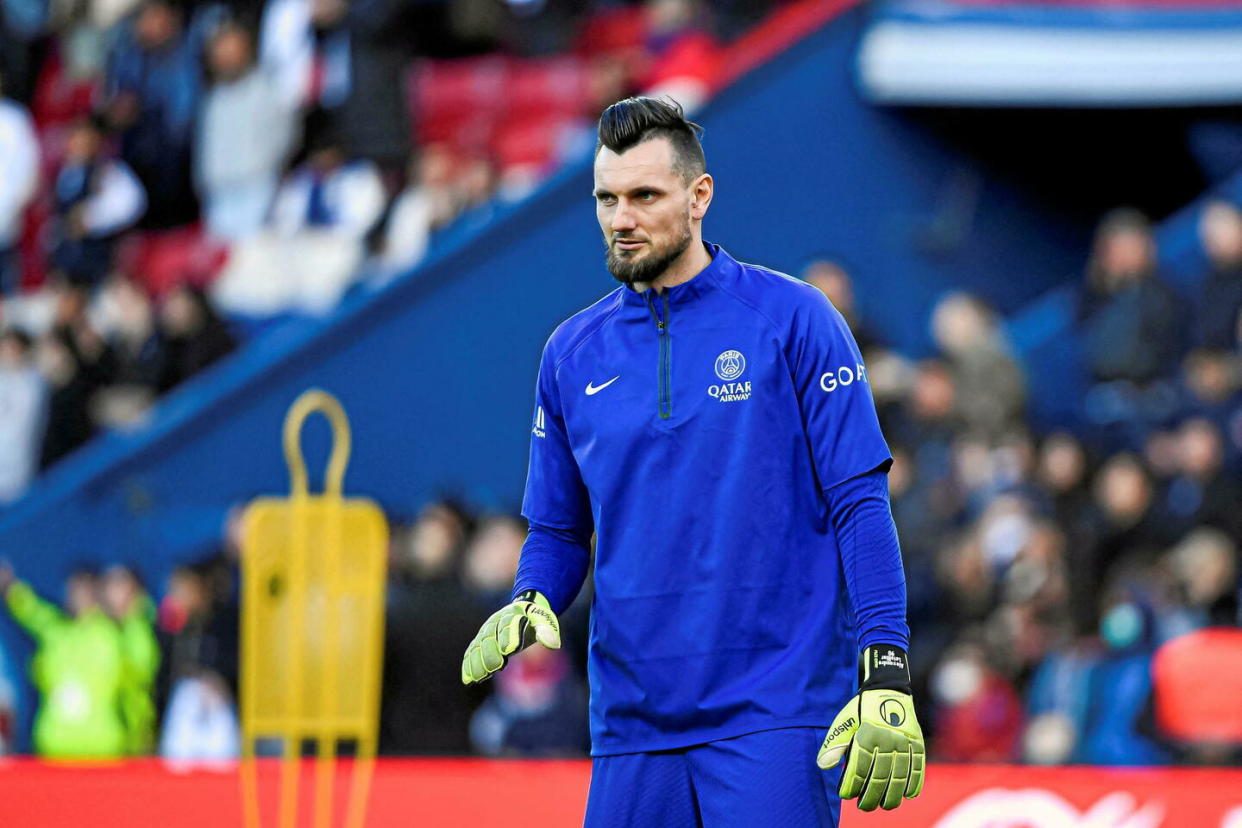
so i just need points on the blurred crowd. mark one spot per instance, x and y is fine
(1046, 571)
(1065, 587)
(119, 676)
(176, 173)
(167, 168)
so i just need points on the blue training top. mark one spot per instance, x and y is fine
(699, 431)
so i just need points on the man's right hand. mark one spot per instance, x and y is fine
(515, 627)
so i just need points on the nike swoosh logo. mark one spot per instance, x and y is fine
(595, 389)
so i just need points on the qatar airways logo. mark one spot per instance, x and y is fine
(841, 377)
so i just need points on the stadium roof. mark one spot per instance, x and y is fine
(928, 52)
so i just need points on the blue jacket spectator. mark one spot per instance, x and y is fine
(153, 95)
(1220, 301)
(96, 198)
(1132, 320)
(22, 24)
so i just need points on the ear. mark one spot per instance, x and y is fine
(701, 192)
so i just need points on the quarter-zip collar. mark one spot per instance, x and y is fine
(688, 292)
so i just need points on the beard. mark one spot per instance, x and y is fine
(648, 268)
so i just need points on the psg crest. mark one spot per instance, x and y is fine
(730, 365)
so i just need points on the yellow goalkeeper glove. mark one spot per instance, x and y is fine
(514, 627)
(878, 734)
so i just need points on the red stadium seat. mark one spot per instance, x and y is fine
(161, 260)
(546, 87)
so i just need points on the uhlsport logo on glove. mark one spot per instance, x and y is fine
(893, 712)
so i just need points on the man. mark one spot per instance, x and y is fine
(77, 667)
(134, 613)
(152, 94)
(96, 199)
(711, 421)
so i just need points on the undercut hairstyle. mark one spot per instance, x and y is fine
(632, 121)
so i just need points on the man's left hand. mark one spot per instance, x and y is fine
(879, 736)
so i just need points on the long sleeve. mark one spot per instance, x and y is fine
(555, 557)
(554, 562)
(871, 557)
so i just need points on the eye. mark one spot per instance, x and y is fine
(606, 199)
(646, 195)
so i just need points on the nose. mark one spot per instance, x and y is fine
(622, 218)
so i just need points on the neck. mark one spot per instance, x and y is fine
(685, 267)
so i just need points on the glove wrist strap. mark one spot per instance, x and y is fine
(884, 667)
(535, 597)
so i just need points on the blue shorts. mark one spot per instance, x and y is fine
(764, 778)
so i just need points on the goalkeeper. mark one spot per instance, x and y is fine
(711, 422)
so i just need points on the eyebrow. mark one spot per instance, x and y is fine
(642, 188)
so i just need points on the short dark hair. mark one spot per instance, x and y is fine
(632, 121)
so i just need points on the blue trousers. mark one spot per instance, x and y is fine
(760, 779)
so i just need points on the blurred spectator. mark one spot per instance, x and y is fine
(1063, 476)
(8, 701)
(19, 175)
(1203, 492)
(1125, 522)
(1220, 298)
(96, 198)
(1117, 729)
(1213, 380)
(1090, 704)
(78, 668)
(539, 708)
(153, 90)
(201, 723)
(340, 60)
(245, 136)
(76, 362)
(22, 26)
(330, 194)
(198, 622)
(138, 353)
(530, 28)
(1204, 565)
(491, 558)
(978, 715)
(428, 203)
(424, 708)
(1131, 319)
(134, 614)
(991, 391)
(194, 335)
(683, 55)
(323, 213)
(835, 283)
(23, 401)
